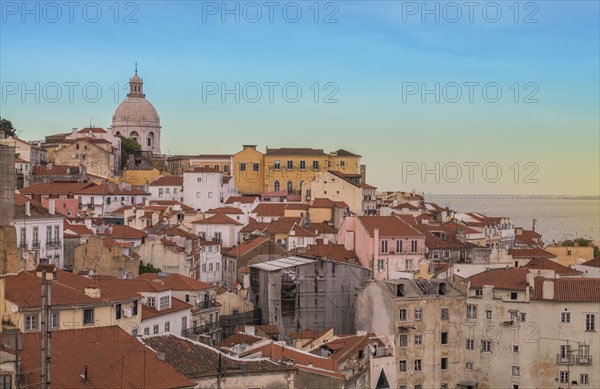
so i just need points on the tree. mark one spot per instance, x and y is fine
(128, 146)
(7, 128)
(148, 268)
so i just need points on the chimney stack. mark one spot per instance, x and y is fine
(52, 206)
(363, 174)
(28, 208)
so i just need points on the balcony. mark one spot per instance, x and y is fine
(23, 245)
(53, 243)
(201, 329)
(205, 304)
(35, 246)
(583, 360)
(565, 359)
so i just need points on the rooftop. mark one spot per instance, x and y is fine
(283, 263)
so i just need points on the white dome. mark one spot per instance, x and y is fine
(135, 111)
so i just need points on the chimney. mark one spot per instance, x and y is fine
(548, 290)
(28, 208)
(363, 174)
(52, 206)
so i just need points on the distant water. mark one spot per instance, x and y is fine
(558, 217)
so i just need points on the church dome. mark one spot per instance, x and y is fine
(135, 111)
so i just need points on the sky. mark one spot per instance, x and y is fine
(438, 96)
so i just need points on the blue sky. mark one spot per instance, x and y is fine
(373, 49)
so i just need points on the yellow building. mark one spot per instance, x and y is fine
(571, 255)
(176, 165)
(248, 170)
(287, 169)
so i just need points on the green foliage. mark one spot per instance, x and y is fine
(581, 242)
(148, 268)
(596, 251)
(7, 128)
(128, 146)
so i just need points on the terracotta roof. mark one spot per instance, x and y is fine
(323, 202)
(270, 209)
(167, 181)
(528, 237)
(389, 226)
(176, 306)
(514, 278)
(241, 199)
(346, 346)
(245, 247)
(89, 140)
(336, 252)
(346, 153)
(119, 231)
(77, 229)
(54, 170)
(297, 206)
(367, 186)
(106, 352)
(175, 281)
(218, 219)
(254, 226)
(545, 263)
(36, 210)
(569, 289)
(109, 189)
(308, 334)
(322, 228)
(92, 130)
(280, 226)
(269, 329)
(305, 151)
(239, 338)
(226, 210)
(300, 231)
(530, 253)
(55, 188)
(199, 360)
(594, 262)
(201, 169)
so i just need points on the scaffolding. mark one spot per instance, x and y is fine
(7, 184)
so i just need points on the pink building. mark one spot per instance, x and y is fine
(388, 246)
(67, 207)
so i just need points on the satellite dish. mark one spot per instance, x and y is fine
(14, 309)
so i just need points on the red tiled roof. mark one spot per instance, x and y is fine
(77, 229)
(300, 231)
(226, 210)
(300, 151)
(92, 130)
(530, 253)
(102, 352)
(297, 206)
(545, 263)
(241, 199)
(247, 246)
(278, 352)
(388, 226)
(201, 169)
(218, 219)
(109, 189)
(119, 231)
(253, 225)
(569, 289)
(594, 262)
(55, 188)
(239, 338)
(514, 278)
(270, 209)
(176, 306)
(175, 281)
(336, 252)
(167, 181)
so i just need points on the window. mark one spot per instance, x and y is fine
(565, 317)
(147, 331)
(277, 165)
(48, 235)
(150, 301)
(135, 308)
(210, 194)
(210, 267)
(164, 302)
(468, 365)
(398, 246)
(488, 314)
(471, 311)
(443, 386)
(55, 320)
(168, 326)
(590, 322)
(516, 371)
(409, 264)
(565, 353)
(342, 163)
(515, 348)
(564, 377)
(242, 166)
(470, 344)
(418, 314)
(444, 338)
(289, 165)
(204, 268)
(418, 386)
(187, 298)
(276, 186)
(478, 292)
(118, 311)
(417, 365)
(88, 316)
(486, 346)
(134, 332)
(403, 315)
(403, 340)
(402, 366)
(290, 186)
(184, 323)
(444, 363)
(384, 246)
(418, 339)
(513, 295)
(302, 165)
(155, 329)
(198, 195)
(217, 266)
(31, 322)
(255, 167)
(315, 165)
(380, 265)
(444, 314)
(584, 379)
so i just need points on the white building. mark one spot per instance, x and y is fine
(161, 313)
(590, 269)
(103, 199)
(210, 263)
(204, 188)
(39, 232)
(166, 188)
(219, 228)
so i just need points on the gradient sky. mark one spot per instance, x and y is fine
(369, 53)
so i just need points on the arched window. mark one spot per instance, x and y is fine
(276, 186)
(290, 187)
(151, 139)
(135, 136)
